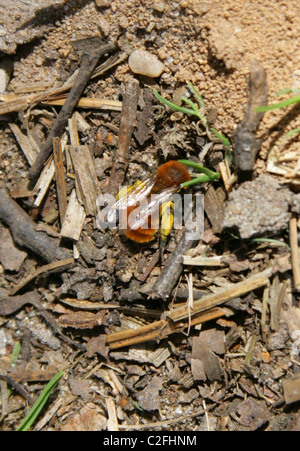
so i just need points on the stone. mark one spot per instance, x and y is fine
(6, 68)
(259, 207)
(144, 63)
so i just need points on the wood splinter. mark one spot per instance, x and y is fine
(295, 252)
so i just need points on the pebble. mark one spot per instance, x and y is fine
(6, 68)
(103, 3)
(144, 63)
(159, 6)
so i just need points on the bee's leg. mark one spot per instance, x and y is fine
(166, 224)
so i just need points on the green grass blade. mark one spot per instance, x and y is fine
(191, 104)
(284, 91)
(282, 104)
(196, 94)
(192, 164)
(172, 105)
(269, 240)
(15, 354)
(39, 403)
(225, 141)
(195, 181)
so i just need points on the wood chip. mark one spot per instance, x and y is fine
(60, 178)
(112, 422)
(43, 183)
(214, 201)
(74, 219)
(27, 146)
(86, 177)
(291, 388)
(295, 252)
(203, 261)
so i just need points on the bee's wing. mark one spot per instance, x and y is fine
(141, 219)
(132, 197)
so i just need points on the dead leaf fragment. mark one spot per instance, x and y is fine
(88, 419)
(80, 387)
(11, 258)
(291, 388)
(148, 398)
(204, 358)
(96, 345)
(253, 413)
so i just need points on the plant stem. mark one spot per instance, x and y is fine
(192, 164)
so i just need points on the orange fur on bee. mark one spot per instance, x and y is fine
(170, 174)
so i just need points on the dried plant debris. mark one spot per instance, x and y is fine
(205, 348)
(251, 414)
(259, 207)
(148, 398)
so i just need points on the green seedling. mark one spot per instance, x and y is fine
(197, 110)
(283, 104)
(39, 403)
(15, 354)
(260, 240)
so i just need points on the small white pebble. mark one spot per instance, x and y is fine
(144, 63)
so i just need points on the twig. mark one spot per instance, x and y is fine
(73, 131)
(10, 381)
(85, 102)
(160, 329)
(246, 145)
(203, 261)
(190, 299)
(24, 232)
(88, 64)
(263, 321)
(295, 252)
(52, 267)
(60, 179)
(154, 260)
(172, 270)
(49, 414)
(127, 123)
(165, 423)
(234, 290)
